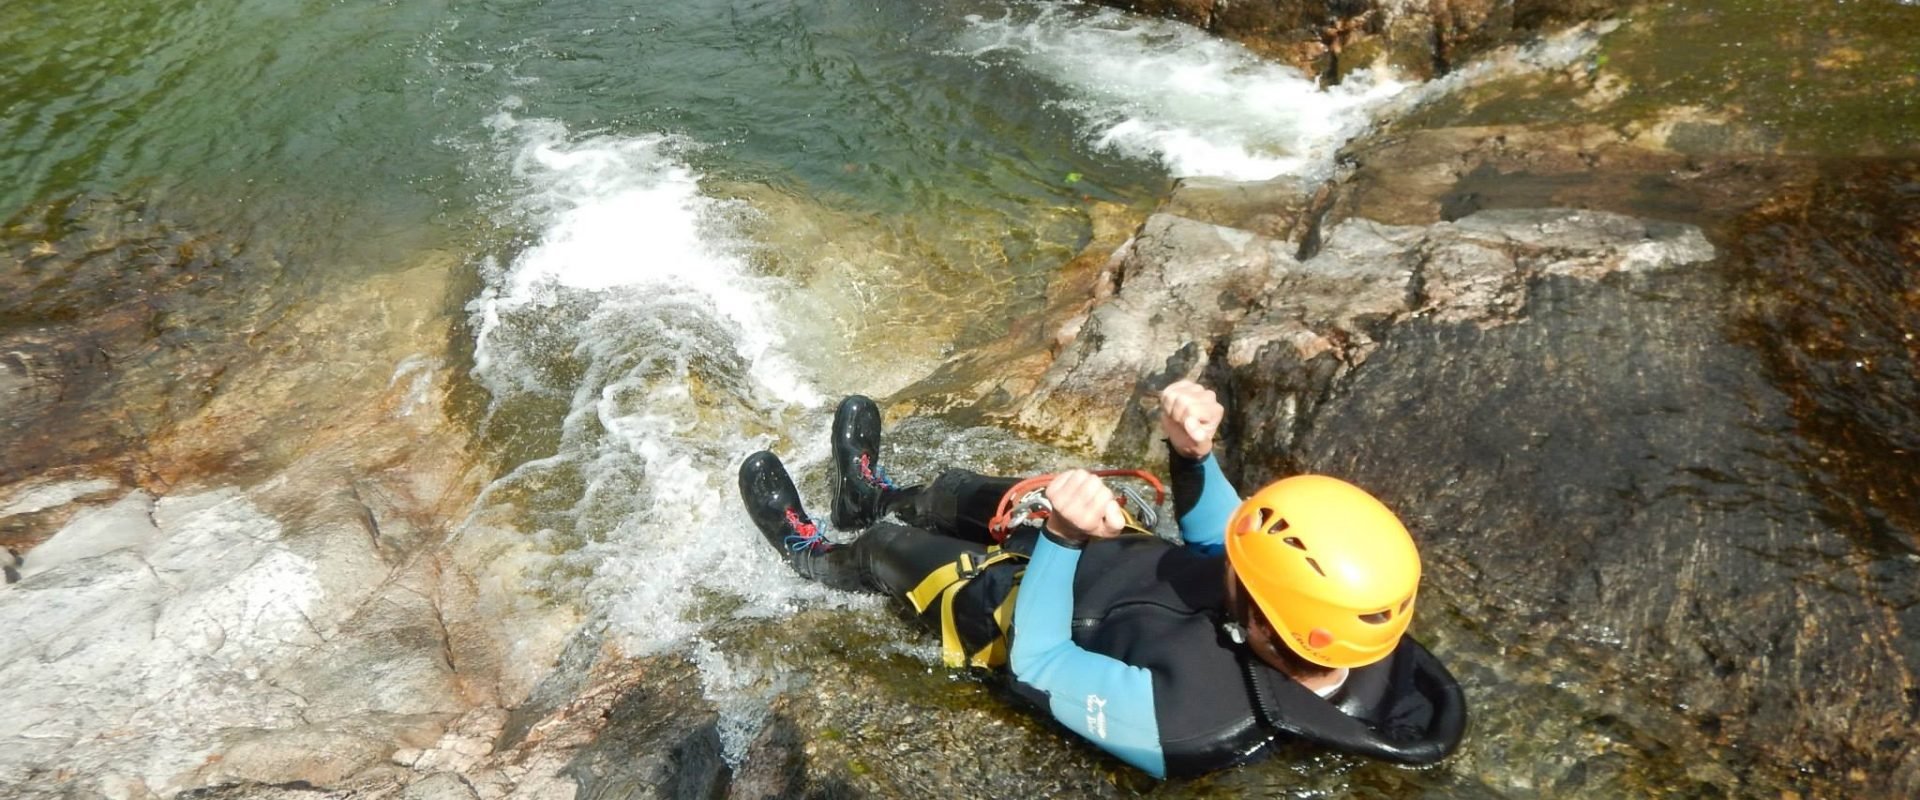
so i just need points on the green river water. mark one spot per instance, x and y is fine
(348, 134)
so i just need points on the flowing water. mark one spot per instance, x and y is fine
(687, 227)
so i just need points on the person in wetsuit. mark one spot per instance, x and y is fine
(1280, 616)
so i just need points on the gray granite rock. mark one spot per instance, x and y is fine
(1665, 487)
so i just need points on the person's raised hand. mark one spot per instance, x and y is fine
(1189, 416)
(1083, 507)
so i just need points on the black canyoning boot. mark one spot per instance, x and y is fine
(860, 487)
(774, 505)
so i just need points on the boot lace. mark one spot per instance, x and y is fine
(874, 474)
(805, 536)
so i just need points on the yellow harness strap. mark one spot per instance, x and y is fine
(945, 583)
(995, 653)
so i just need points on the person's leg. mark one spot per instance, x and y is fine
(959, 503)
(888, 557)
(774, 505)
(895, 559)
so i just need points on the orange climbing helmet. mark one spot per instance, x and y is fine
(1330, 566)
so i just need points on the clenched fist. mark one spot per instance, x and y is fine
(1083, 507)
(1189, 416)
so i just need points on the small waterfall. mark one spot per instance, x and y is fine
(635, 346)
(633, 357)
(1168, 92)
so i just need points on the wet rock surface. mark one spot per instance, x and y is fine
(1615, 477)
(1186, 293)
(1425, 176)
(1643, 389)
(113, 324)
(258, 572)
(1835, 315)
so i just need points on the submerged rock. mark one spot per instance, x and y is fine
(114, 323)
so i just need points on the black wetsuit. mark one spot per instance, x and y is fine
(1159, 607)
(1122, 640)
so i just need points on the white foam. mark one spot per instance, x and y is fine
(622, 214)
(637, 307)
(1168, 92)
(741, 690)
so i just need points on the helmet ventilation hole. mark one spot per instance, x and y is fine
(1295, 541)
(1377, 617)
(1316, 567)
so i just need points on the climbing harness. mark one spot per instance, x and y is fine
(1026, 503)
(944, 584)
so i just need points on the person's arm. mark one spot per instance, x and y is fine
(1203, 500)
(1105, 700)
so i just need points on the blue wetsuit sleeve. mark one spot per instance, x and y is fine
(1203, 501)
(1105, 700)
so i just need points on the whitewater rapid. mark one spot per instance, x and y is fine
(635, 315)
(1167, 92)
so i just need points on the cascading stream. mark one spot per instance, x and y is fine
(638, 334)
(1172, 94)
(635, 316)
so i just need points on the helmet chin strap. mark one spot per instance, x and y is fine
(1235, 624)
